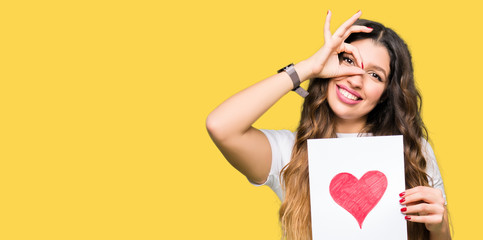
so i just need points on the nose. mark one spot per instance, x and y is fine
(355, 81)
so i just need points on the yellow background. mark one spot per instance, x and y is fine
(103, 107)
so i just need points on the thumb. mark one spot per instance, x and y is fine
(351, 70)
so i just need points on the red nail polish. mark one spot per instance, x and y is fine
(327, 12)
(369, 28)
(404, 209)
(407, 217)
(402, 194)
(362, 64)
(402, 200)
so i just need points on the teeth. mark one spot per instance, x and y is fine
(347, 94)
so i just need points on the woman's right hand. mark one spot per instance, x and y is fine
(325, 62)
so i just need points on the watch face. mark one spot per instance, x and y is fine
(290, 69)
(285, 68)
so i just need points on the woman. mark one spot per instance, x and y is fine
(362, 84)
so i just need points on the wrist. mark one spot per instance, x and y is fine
(304, 70)
(295, 77)
(438, 227)
(440, 230)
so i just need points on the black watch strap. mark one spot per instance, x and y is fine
(290, 70)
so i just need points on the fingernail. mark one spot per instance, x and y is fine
(407, 217)
(358, 11)
(327, 12)
(369, 28)
(404, 209)
(402, 200)
(402, 194)
(362, 64)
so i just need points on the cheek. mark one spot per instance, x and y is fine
(330, 88)
(376, 92)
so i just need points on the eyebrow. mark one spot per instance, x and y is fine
(380, 69)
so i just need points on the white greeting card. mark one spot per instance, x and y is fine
(354, 188)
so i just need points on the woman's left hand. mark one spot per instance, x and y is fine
(424, 205)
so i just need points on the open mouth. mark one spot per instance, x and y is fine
(348, 94)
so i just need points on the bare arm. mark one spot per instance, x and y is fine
(230, 124)
(443, 232)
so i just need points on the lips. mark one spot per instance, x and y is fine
(347, 95)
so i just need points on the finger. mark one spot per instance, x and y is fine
(423, 209)
(429, 198)
(429, 219)
(356, 28)
(423, 193)
(340, 32)
(327, 33)
(350, 71)
(355, 52)
(426, 194)
(416, 189)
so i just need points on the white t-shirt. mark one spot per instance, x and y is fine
(282, 141)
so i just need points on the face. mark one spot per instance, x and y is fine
(351, 98)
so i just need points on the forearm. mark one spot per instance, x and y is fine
(443, 234)
(443, 231)
(236, 114)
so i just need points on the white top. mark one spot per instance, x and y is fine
(282, 141)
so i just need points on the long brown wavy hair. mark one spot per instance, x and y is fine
(398, 113)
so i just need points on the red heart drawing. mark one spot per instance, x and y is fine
(358, 197)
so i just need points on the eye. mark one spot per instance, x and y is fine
(374, 75)
(348, 60)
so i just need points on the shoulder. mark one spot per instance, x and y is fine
(429, 155)
(281, 136)
(281, 144)
(432, 169)
(426, 147)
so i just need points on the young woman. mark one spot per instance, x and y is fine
(361, 83)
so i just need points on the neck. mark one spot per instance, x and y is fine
(349, 125)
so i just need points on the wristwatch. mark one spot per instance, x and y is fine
(290, 70)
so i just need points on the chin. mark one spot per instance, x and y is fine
(348, 114)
